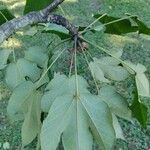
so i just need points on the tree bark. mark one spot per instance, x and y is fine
(42, 16)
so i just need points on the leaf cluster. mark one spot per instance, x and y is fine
(73, 114)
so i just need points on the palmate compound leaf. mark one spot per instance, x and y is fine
(71, 116)
(4, 54)
(142, 81)
(16, 72)
(36, 55)
(108, 67)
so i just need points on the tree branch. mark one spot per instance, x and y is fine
(60, 20)
(42, 16)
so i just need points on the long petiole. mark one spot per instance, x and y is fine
(75, 61)
(87, 61)
(71, 65)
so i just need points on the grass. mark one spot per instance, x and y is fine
(137, 51)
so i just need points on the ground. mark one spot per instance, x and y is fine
(138, 51)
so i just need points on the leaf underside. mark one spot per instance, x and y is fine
(77, 118)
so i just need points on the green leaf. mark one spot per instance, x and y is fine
(5, 15)
(107, 60)
(36, 55)
(56, 122)
(143, 85)
(31, 125)
(51, 92)
(142, 27)
(118, 104)
(55, 28)
(43, 81)
(120, 27)
(34, 5)
(18, 100)
(110, 68)
(123, 26)
(100, 120)
(77, 135)
(80, 112)
(16, 72)
(56, 88)
(59, 30)
(117, 52)
(132, 68)
(4, 54)
(97, 72)
(99, 28)
(139, 110)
